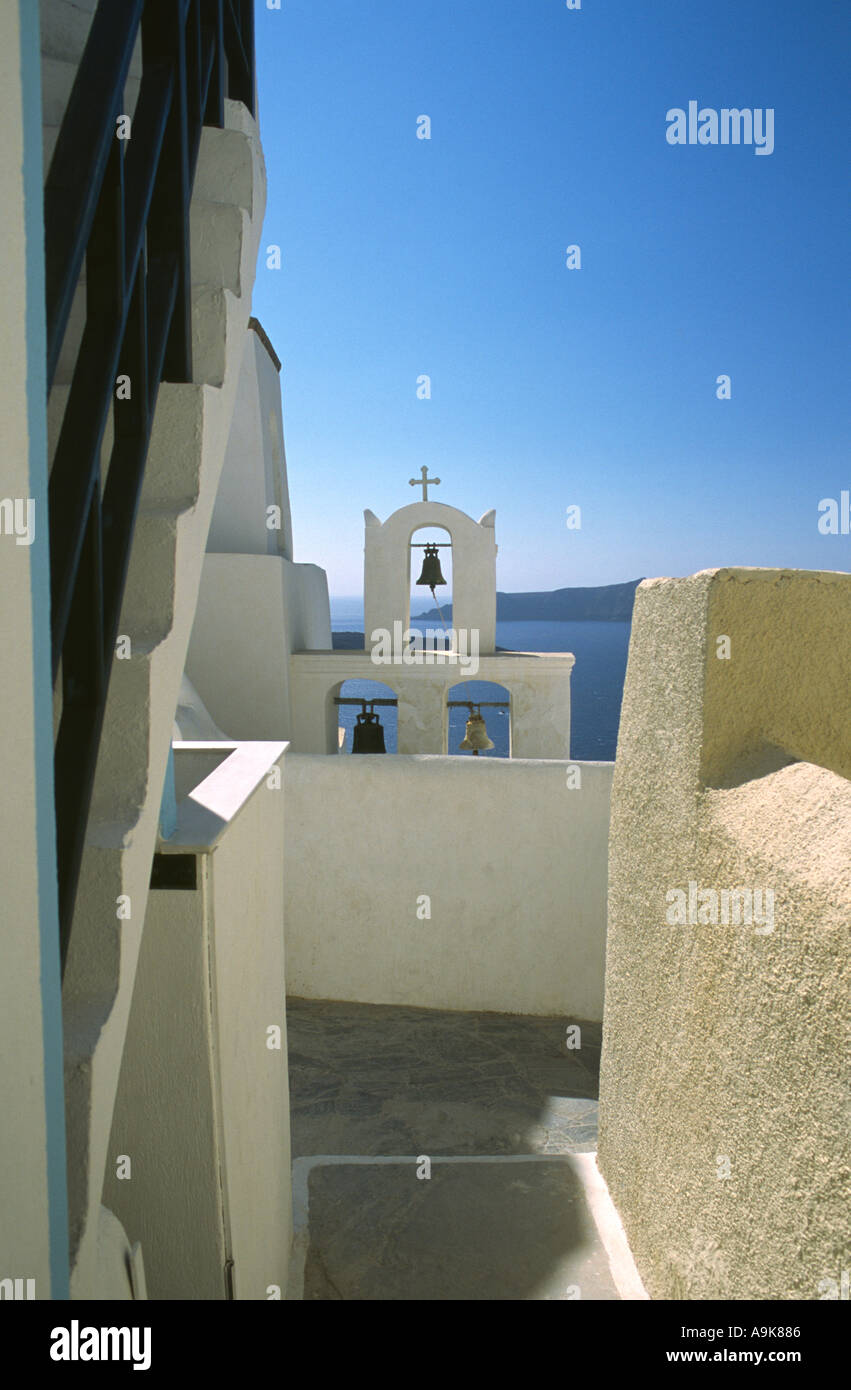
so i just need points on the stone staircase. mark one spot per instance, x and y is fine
(188, 442)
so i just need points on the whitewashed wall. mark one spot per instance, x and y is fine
(254, 476)
(388, 560)
(513, 861)
(256, 605)
(33, 1210)
(538, 684)
(253, 611)
(202, 1111)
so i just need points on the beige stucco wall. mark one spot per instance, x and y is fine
(513, 860)
(725, 1047)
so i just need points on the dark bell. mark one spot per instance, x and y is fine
(431, 575)
(368, 736)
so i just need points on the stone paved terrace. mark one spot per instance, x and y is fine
(513, 1208)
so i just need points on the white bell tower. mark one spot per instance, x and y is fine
(423, 678)
(387, 566)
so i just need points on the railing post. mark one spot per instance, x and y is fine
(213, 20)
(247, 26)
(164, 35)
(132, 423)
(82, 151)
(135, 241)
(83, 689)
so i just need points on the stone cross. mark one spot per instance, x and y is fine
(425, 482)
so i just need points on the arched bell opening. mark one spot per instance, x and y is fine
(364, 720)
(479, 712)
(430, 584)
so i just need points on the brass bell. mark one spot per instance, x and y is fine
(432, 574)
(368, 735)
(475, 735)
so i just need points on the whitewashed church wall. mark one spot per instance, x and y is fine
(253, 611)
(447, 883)
(255, 605)
(238, 657)
(538, 685)
(254, 477)
(308, 607)
(387, 566)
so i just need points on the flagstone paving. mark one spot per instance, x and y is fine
(376, 1090)
(376, 1079)
(504, 1230)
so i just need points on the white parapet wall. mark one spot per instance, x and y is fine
(449, 883)
(198, 1168)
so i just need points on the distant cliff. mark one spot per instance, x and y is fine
(609, 603)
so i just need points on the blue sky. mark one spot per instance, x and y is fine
(553, 387)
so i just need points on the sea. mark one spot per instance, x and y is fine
(596, 683)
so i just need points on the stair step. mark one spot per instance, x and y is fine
(218, 242)
(223, 174)
(73, 335)
(221, 251)
(147, 613)
(49, 136)
(172, 479)
(65, 28)
(57, 79)
(209, 336)
(56, 404)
